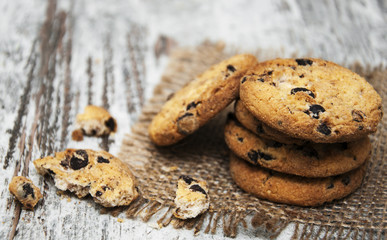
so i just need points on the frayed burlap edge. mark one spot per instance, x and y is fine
(145, 160)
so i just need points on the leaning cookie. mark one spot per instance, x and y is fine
(310, 160)
(199, 101)
(294, 190)
(311, 99)
(261, 129)
(192, 197)
(106, 178)
(25, 191)
(95, 121)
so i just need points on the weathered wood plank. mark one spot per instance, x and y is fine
(59, 56)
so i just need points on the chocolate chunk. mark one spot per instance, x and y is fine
(28, 190)
(315, 110)
(304, 61)
(240, 139)
(346, 180)
(253, 156)
(192, 105)
(197, 188)
(110, 123)
(231, 68)
(330, 186)
(244, 79)
(77, 163)
(98, 194)
(187, 179)
(261, 79)
(52, 173)
(358, 116)
(301, 89)
(324, 129)
(102, 160)
(301, 76)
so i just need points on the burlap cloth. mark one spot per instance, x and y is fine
(204, 155)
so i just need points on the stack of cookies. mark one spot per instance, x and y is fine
(299, 134)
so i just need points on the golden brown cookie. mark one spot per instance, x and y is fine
(98, 173)
(290, 189)
(192, 197)
(311, 99)
(200, 100)
(25, 191)
(261, 129)
(310, 160)
(95, 121)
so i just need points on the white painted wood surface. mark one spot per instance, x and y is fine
(58, 56)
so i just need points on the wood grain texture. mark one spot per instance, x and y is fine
(58, 56)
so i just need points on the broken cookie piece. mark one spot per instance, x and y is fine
(25, 191)
(95, 121)
(192, 197)
(98, 173)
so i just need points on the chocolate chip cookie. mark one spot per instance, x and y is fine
(106, 178)
(290, 189)
(25, 191)
(261, 129)
(311, 99)
(309, 160)
(200, 100)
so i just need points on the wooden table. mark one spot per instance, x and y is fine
(58, 56)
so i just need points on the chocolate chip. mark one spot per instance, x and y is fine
(253, 156)
(346, 180)
(279, 123)
(98, 194)
(240, 139)
(102, 160)
(111, 124)
(269, 72)
(274, 144)
(361, 127)
(50, 172)
(293, 67)
(28, 190)
(301, 89)
(358, 116)
(354, 158)
(315, 110)
(93, 132)
(187, 179)
(304, 61)
(77, 163)
(330, 186)
(231, 68)
(301, 76)
(105, 188)
(324, 129)
(197, 188)
(192, 105)
(244, 79)
(65, 163)
(261, 79)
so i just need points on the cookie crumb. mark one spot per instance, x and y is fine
(25, 191)
(192, 198)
